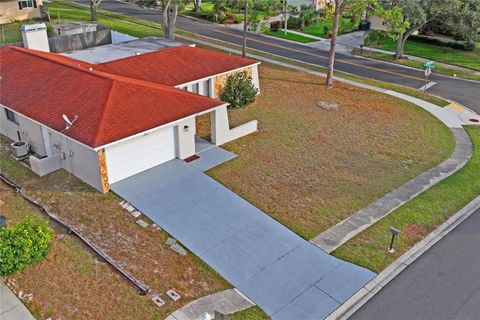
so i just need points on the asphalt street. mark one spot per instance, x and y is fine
(461, 91)
(444, 283)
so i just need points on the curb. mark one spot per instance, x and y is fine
(387, 275)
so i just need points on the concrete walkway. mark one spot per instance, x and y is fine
(11, 308)
(287, 276)
(226, 302)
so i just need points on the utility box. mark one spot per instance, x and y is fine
(35, 36)
(3, 222)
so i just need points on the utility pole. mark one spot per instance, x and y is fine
(285, 16)
(245, 26)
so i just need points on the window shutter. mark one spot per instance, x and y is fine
(34, 3)
(19, 5)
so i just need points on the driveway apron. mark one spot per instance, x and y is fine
(288, 277)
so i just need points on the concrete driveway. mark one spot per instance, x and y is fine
(288, 277)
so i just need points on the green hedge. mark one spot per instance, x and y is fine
(24, 244)
(444, 42)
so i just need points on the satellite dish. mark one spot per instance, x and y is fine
(69, 123)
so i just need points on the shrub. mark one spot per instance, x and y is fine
(239, 90)
(231, 18)
(275, 25)
(25, 244)
(444, 42)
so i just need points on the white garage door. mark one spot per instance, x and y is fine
(139, 154)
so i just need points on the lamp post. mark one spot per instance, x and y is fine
(245, 26)
(395, 232)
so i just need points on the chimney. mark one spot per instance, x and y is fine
(35, 36)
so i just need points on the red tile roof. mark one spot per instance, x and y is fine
(176, 66)
(44, 86)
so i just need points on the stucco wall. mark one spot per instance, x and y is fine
(77, 159)
(10, 12)
(186, 138)
(30, 132)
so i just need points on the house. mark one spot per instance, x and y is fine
(316, 4)
(108, 121)
(17, 10)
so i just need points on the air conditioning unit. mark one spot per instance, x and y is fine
(19, 149)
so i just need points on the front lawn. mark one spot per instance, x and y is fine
(323, 27)
(252, 313)
(467, 59)
(416, 218)
(310, 168)
(73, 283)
(290, 36)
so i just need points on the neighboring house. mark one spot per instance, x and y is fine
(17, 10)
(132, 113)
(376, 23)
(316, 4)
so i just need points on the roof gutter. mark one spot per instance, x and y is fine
(156, 128)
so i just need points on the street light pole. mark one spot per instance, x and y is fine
(245, 26)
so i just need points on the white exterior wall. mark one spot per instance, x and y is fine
(256, 78)
(30, 131)
(140, 153)
(76, 158)
(186, 138)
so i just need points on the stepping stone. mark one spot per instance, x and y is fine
(173, 295)
(156, 227)
(125, 204)
(158, 301)
(129, 208)
(142, 223)
(121, 203)
(171, 241)
(136, 214)
(178, 249)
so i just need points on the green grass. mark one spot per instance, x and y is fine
(442, 69)
(290, 36)
(416, 218)
(467, 59)
(323, 27)
(253, 313)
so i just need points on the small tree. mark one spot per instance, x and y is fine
(340, 7)
(24, 244)
(239, 90)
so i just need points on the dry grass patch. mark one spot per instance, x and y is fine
(310, 168)
(71, 285)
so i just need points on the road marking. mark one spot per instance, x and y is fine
(319, 56)
(456, 107)
(427, 86)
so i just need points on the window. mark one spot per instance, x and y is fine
(12, 116)
(195, 88)
(25, 4)
(206, 88)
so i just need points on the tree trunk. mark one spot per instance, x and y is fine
(400, 46)
(245, 26)
(333, 43)
(169, 19)
(198, 5)
(93, 11)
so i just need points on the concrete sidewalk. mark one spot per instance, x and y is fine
(11, 308)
